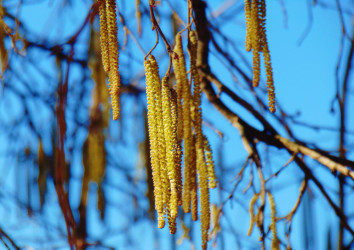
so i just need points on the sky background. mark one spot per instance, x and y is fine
(304, 42)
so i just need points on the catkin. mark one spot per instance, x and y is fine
(161, 138)
(177, 146)
(178, 61)
(251, 210)
(204, 196)
(201, 162)
(267, 61)
(153, 79)
(104, 36)
(209, 163)
(183, 91)
(256, 39)
(275, 241)
(170, 142)
(256, 43)
(114, 77)
(194, 184)
(248, 25)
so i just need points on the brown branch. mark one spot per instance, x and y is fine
(249, 133)
(343, 101)
(2, 232)
(336, 209)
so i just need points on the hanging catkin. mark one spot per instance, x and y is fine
(183, 91)
(275, 241)
(104, 36)
(170, 141)
(256, 39)
(109, 50)
(248, 24)
(177, 146)
(152, 80)
(201, 162)
(256, 42)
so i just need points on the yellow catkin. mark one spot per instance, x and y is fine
(177, 146)
(267, 61)
(275, 241)
(256, 43)
(248, 24)
(210, 163)
(171, 219)
(95, 160)
(251, 210)
(270, 82)
(256, 39)
(215, 220)
(194, 184)
(201, 163)
(104, 36)
(114, 77)
(171, 142)
(152, 78)
(161, 136)
(178, 61)
(183, 90)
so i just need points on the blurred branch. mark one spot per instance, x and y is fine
(2, 233)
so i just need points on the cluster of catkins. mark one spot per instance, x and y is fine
(256, 40)
(109, 49)
(174, 116)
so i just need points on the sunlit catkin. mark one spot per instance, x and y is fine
(256, 42)
(204, 196)
(251, 210)
(104, 36)
(183, 91)
(153, 79)
(178, 60)
(256, 39)
(210, 163)
(201, 162)
(248, 25)
(267, 61)
(171, 142)
(164, 179)
(275, 241)
(172, 225)
(114, 77)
